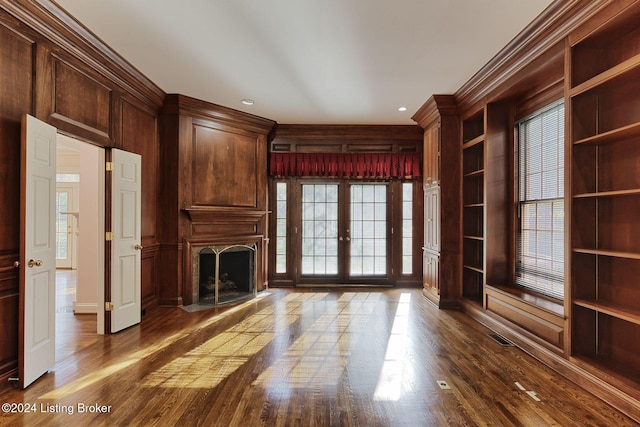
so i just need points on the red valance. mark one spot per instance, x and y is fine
(349, 165)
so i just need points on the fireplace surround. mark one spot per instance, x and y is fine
(223, 271)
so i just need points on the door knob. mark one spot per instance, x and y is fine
(138, 247)
(34, 263)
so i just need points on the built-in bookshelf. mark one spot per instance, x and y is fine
(604, 116)
(473, 207)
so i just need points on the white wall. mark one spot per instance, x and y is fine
(90, 244)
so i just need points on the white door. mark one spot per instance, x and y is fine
(126, 204)
(37, 250)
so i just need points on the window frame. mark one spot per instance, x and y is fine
(557, 290)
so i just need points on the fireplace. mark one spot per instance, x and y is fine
(223, 274)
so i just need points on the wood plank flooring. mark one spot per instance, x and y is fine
(311, 357)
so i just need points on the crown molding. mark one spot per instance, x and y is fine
(549, 28)
(53, 23)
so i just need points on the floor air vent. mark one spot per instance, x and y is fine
(500, 340)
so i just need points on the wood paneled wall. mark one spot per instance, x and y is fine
(214, 185)
(206, 178)
(346, 138)
(51, 68)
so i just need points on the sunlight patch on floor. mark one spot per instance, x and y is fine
(87, 380)
(147, 351)
(210, 363)
(318, 357)
(394, 373)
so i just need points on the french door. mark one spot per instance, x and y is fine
(344, 232)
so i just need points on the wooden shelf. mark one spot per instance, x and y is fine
(479, 172)
(604, 123)
(472, 268)
(473, 198)
(477, 140)
(614, 193)
(630, 65)
(615, 310)
(618, 254)
(628, 131)
(625, 378)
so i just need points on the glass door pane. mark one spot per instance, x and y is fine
(368, 230)
(319, 229)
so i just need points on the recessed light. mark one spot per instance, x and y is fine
(402, 109)
(247, 101)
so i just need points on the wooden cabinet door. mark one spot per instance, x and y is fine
(432, 219)
(432, 156)
(431, 273)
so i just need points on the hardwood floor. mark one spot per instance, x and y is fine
(303, 358)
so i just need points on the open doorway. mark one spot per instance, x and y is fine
(41, 333)
(80, 213)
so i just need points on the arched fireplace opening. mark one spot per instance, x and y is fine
(224, 274)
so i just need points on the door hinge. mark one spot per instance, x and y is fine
(110, 166)
(108, 306)
(108, 236)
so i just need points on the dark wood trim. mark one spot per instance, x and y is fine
(216, 115)
(620, 396)
(441, 179)
(607, 11)
(8, 376)
(539, 100)
(435, 107)
(215, 214)
(108, 196)
(346, 138)
(102, 137)
(531, 314)
(50, 20)
(347, 132)
(499, 182)
(548, 29)
(281, 283)
(170, 259)
(151, 253)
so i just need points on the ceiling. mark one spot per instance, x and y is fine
(309, 61)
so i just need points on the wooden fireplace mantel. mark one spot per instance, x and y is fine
(212, 215)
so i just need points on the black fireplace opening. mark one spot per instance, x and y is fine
(236, 274)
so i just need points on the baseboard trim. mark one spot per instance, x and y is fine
(85, 308)
(5, 384)
(609, 393)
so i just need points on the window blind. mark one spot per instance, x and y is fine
(540, 178)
